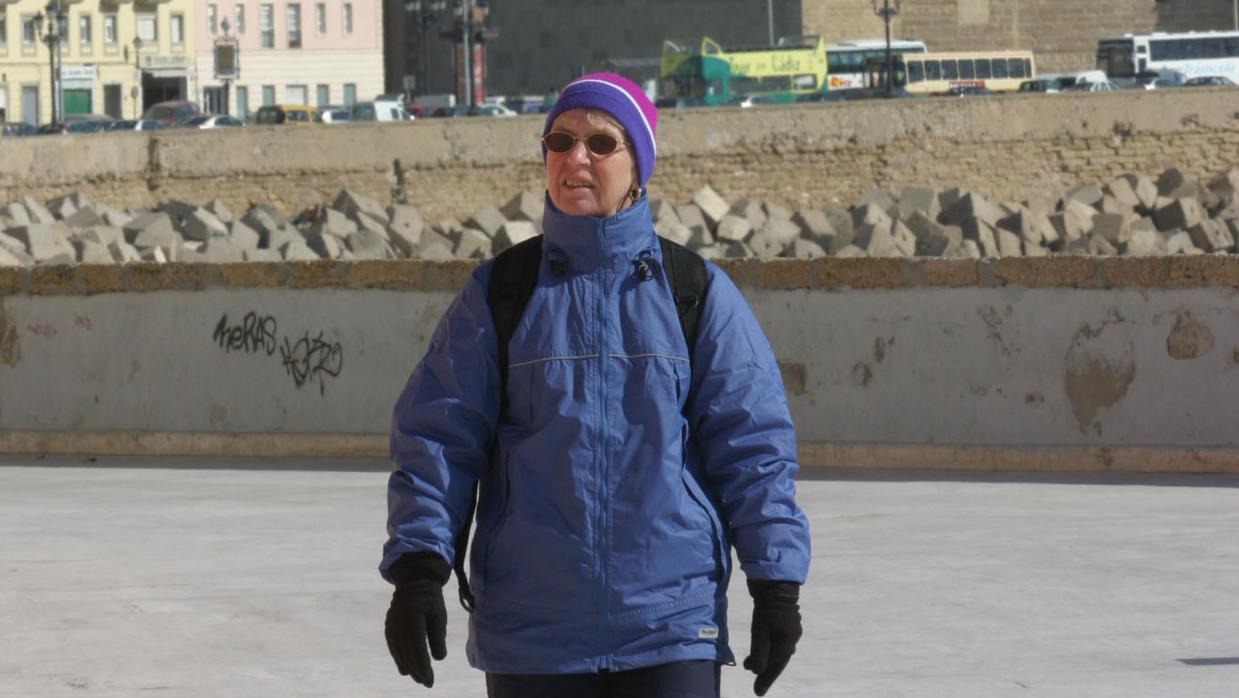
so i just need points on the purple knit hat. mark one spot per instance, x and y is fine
(622, 99)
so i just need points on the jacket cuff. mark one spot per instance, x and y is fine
(774, 590)
(412, 568)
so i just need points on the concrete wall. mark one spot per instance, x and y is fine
(1059, 362)
(1008, 147)
(1062, 33)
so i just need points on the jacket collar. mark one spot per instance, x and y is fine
(588, 242)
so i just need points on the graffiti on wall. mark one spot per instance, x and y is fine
(309, 359)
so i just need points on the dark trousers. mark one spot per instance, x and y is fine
(691, 679)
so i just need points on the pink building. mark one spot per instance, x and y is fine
(317, 52)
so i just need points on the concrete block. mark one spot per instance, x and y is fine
(220, 210)
(84, 217)
(46, 243)
(947, 198)
(972, 205)
(733, 229)
(1121, 190)
(1009, 244)
(781, 231)
(221, 250)
(277, 238)
(114, 217)
(37, 211)
(9, 258)
(661, 210)
(244, 236)
(487, 219)
(1179, 214)
(1173, 184)
(259, 255)
(1144, 241)
(103, 234)
(1144, 188)
(864, 233)
(904, 239)
(700, 237)
(981, 232)
(918, 199)
(149, 229)
(1111, 226)
(11, 243)
(971, 250)
(266, 220)
(1212, 236)
(62, 207)
(155, 254)
(804, 249)
(123, 253)
(16, 214)
(774, 210)
(296, 250)
(880, 198)
(674, 231)
(870, 214)
(1180, 242)
(525, 206)
(1073, 222)
(751, 210)
(932, 238)
(355, 206)
(367, 244)
(1226, 186)
(179, 211)
(691, 216)
(1032, 249)
(473, 244)
(91, 252)
(880, 241)
(1110, 204)
(1088, 193)
(325, 245)
(813, 224)
(850, 251)
(405, 226)
(515, 232)
(1100, 247)
(1031, 226)
(763, 244)
(737, 250)
(841, 220)
(201, 224)
(713, 251)
(713, 207)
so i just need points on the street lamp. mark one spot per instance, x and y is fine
(57, 22)
(425, 12)
(887, 13)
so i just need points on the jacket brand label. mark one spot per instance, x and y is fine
(708, 634)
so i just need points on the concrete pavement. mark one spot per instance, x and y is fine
(184, 577)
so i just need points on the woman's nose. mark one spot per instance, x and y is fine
(579, 152)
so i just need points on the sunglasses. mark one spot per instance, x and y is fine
(596, 143)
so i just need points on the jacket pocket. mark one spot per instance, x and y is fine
(722, 556)
(504, 484)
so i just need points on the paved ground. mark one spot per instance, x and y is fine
(131, 577)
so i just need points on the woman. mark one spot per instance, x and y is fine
(620, 469)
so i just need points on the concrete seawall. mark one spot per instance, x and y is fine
(1006, 147)
(1067, 363)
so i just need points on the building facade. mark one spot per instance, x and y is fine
(116, 58)
(1062, 33)
(316, 52)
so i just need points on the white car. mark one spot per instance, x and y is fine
(212, 121)
(1102, 85)
(492, 110)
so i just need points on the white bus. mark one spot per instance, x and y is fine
(1191, 54)
(846, 60)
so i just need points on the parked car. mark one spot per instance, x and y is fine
(751, 100)
(490, 110)
(212, 121)
(969, 91)
(449, 112)
(335, 114)
(1102, 85)
(827, 96)
(293, 114)
(172, 113)
(134, 125)
(379, 110)
(17, 128)
(1210, 81)
(1040, 85)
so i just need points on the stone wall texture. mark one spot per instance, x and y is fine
(1007, 148)
(1062, 33)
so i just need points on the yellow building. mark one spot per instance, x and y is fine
(116, 58)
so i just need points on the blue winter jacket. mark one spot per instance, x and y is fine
(623, 471)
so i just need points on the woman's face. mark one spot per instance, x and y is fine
(582, 183)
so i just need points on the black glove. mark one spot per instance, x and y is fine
(776, 630)
(418, 615)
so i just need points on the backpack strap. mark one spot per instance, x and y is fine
(686, 276)
(512, 281)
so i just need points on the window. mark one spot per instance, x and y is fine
(350, 93)
(983, 69)
(294, 27)
(268, 95)
(322, 96)
(176, 28)
(916, 71)
(295, 94)
(147, 28)
(84, 37)
(346, 21)
(4, 26)
(239, 12)
(1000, 69)
(243, 102)
(1015, 68)
(933, 70)
(965, 70)
(109, 30)
(266, 25)
(950, 70)
(28, 30)
(320, 18)
(212, 20)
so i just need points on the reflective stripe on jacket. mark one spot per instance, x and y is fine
(623, 471)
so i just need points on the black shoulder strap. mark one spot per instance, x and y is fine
(512, 280)
(686, 275)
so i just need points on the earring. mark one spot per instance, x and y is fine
(634, 194)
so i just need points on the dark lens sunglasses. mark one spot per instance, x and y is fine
(597, 143)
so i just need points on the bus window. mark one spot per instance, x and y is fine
(1213, 48)
(949, 70)
(933, 70)
(916, 71)
(804, 81)
(1015, 68)
(743, 85)
(776, 83)
(983, 69)
(965, 70)
(1232, 47)
(1000, 69)
(1028, 68)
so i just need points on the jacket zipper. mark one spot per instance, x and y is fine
(604, 581)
